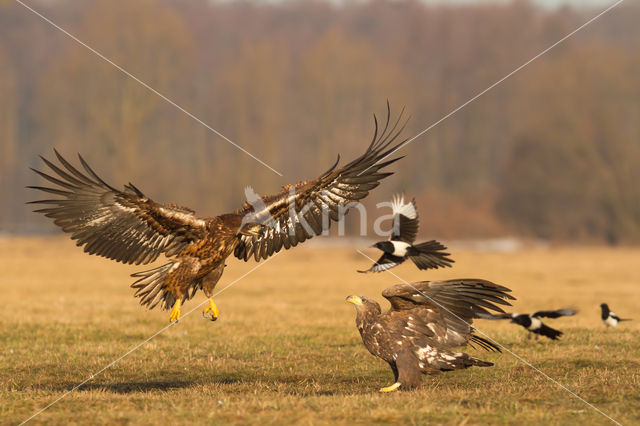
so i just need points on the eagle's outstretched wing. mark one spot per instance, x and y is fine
(449, 306)
(554, 314)
(305, 209)
(124, 225)
(405, 220)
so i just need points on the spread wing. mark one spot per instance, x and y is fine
(386, 261)
(554, 314)
(124, 225)
(305, 209)
(448, 307)
(405, 220)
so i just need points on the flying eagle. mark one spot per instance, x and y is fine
(127, 226)
(533, 323)
(426, 320)
(400, 247)
(609, 318)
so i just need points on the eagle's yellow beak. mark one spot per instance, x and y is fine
(355, 300)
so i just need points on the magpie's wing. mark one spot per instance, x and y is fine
(617, 318)
(385, 262)
(405, 220)
(555, 314)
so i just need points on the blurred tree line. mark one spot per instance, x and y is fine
(553, 152)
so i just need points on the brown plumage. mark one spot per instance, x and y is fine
(128, 227)
(426, 320)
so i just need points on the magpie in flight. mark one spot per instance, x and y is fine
(532, 322)
(609, 318)
(400, 247)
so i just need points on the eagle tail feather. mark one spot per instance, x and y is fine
(458, 360)
(149, 286)
(480, 363)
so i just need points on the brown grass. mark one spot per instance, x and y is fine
(286, 349)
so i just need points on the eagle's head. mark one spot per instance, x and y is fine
(356, 300)
(252, 229)
(364, 304)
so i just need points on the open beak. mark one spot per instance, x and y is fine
(356, 300)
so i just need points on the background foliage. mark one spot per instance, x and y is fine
(553, 153)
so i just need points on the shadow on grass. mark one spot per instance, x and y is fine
(602, 364)
(290, 385)
(126, 387)
(134, 387)
(343, 345)
(230, 381)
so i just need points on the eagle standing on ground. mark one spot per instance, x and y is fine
(400, 247)
(129, 227)
(425, 321)
(533, 323)
(609, 318)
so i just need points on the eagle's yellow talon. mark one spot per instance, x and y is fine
(213, 309)
(175, 311)
(391, 388)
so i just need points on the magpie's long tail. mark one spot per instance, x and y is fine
(430, 255)
(549, 332)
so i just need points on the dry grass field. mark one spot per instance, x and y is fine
(286, 350)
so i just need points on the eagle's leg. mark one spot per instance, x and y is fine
(409, 372)
(175, 311)
(394, 386)
(208, 285)
(211, 308)
(391, 388)
(395, 370)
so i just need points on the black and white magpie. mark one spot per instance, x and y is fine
(532, 322)
(609, 318)
(400, 247)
